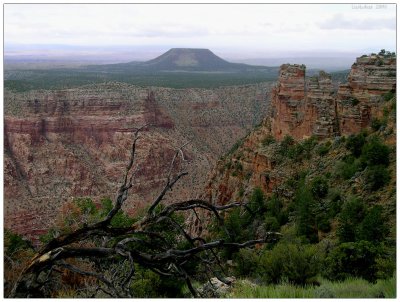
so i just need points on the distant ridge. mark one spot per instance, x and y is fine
(190, 59)
(185, 60)
(176, 68)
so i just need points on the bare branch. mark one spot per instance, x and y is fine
(142, 243)
(100, 277)
(132, 271)
(197, 203)
(123, 190)
(167, 187)
(170, 183)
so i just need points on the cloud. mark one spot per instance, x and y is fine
(248, 28)
(163, 31)
(338, 21)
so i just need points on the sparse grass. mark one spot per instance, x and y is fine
(244, 289)
(360, 288)
(349, 288)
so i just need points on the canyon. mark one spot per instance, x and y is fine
(71, 143)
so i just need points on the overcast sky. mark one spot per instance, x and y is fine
(246, 30)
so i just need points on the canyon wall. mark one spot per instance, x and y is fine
(60, 145)
(359, 99)
(71, 143)
(302, 107)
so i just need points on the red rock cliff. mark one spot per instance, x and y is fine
(358, 100)
(76, 142)
(302, 107)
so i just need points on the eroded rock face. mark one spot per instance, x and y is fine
(302, 107)
(359, 99)
(72, 143)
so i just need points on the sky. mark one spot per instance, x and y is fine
(230, 30)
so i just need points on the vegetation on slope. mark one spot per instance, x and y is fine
(336, 213)
(25, 80)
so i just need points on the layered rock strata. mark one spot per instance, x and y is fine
(302, 107)
(60, 145)
(359, 99)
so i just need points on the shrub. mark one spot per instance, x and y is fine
(354, 143)
(236, 226)
(248, 175)
(295, 151)
(376, 177)
(335, 203)
(388, 96)
(350, 217)
(353, 259)
(319, 187)
(323, 224)
(324, 148)
(373, 227)
(241, 192)
(14, 243)
(148, 284)
(275, 209)
(376, 124)
(285, 145)
(271, 224)
(47, 237)
(86, 205)
(236, 146)
(347, 168)
(269, 139)
(274, 206)
(18, 253)
(305, 216)
(308, 145)
(354, 101)
(257, 201)
(120, 219)
(246, 262)
(375, 153)
(294, 263)
(385, 267)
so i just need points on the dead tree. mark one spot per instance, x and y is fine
(141, 243)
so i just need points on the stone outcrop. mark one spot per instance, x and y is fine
(359, 99)
(72, 143)
(302, 107)
(216, 288)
